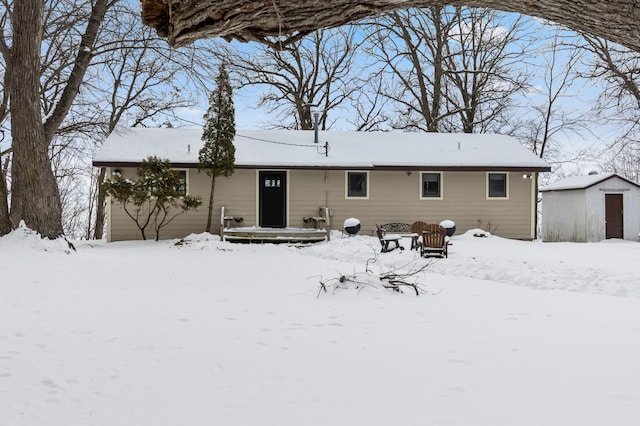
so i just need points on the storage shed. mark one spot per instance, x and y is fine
(591, 208)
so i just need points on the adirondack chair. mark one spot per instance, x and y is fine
(386, 239)
(434, 241)
(417, 228)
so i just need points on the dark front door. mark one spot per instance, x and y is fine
(613, 215)
(273, 199)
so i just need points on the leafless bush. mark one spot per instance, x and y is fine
(408, 276)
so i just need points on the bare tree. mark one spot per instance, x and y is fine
(483, 66)
(135, 81)
(618, 104)
(5, 219)
(619, 67)
(131, 78)
(134, 78)
(548, 116)
(310, 74)
(183, 21)
(410, 46)
(35, 196)
(370, 105)
(623, 160)
(449, 68)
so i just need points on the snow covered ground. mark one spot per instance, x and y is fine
(210, 333)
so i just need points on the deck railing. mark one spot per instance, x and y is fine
(319, 232)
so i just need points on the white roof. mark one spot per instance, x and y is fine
(296, 148)
(578, 182)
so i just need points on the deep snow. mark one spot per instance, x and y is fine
(213, 333)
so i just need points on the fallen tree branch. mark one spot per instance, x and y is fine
(406, 276)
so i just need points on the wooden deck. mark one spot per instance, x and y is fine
(273, 235)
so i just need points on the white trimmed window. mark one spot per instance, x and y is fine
(431, 185)
(498, 186)
(357, 185)
(184, 179)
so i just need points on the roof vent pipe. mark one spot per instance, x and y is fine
(316, 118)
(458, 146)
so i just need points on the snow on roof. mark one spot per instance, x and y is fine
(296, 148)
(579, 182)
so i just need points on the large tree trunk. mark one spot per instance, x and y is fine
(80, 65)
(35, 197)
(100, 206)
(5, 222)
(210, 212)
(184, 21)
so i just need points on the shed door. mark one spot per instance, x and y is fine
(613, 215)
(273, 199)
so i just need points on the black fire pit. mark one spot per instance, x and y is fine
(351, 226)
(449, 227)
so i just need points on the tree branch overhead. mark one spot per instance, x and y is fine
(184, 21)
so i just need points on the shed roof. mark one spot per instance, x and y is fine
(582, 182)
(346, 150)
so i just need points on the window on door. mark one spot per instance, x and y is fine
(272, 183)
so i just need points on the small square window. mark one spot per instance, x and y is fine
(357, 184)
(497, 185)
(431, 185)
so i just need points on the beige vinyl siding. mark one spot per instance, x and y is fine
(466, 202)
(307, 193)
(394, 196)
(237, 193)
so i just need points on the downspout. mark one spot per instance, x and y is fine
(534, 190)
(327, 211)
(109, 202)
